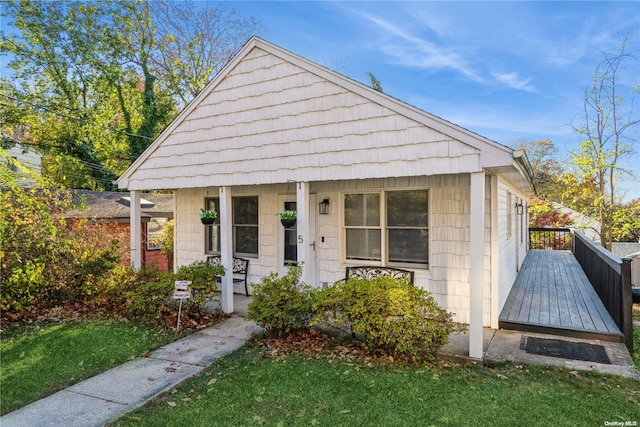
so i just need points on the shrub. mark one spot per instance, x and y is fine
(282, 304)
(391, 315)
(149, 294)
(203, 277)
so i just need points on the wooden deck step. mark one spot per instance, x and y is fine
(552, 295)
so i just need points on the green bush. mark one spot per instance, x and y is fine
(391, 315)
(203, 277)
(282, 304)
(149, 293)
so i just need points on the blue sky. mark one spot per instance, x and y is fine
(505, 70)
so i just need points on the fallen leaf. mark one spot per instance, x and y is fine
(502, 377)
(172, 404)
(170, 369)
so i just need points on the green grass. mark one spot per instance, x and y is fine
(40, 359)
(246, 389)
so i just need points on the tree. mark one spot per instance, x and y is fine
(607, 121)
(375, 83)
(542, 155)
(93, 83)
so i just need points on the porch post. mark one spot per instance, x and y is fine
(226, 249)
(476, 279)
(302, 223)
(135, 229)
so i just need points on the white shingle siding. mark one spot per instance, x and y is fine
(269, 125)
(448, 275)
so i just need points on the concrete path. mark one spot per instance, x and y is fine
(107, 396)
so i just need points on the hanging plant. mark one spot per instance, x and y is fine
(288, 218)
(208, 216)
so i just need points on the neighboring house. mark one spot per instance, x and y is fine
(374, 181)
(112, 210)
(587, 225)
(629, 250)
(28, 158)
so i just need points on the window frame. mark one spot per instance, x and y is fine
(236, 225)
(385, 228)
(208, 228)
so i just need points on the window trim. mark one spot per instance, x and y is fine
(384, 229)
(234, 227)
(209, 227)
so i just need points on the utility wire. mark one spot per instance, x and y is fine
(41, 107)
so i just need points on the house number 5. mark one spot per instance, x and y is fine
(300, 239)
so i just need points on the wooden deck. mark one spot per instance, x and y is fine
(552, 295)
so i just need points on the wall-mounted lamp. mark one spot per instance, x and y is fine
(520, 208)
(324, 207)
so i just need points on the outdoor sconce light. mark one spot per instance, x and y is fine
(324, 207)
(520, 208)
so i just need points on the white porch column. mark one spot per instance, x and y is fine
(476, 279)
(226, 249)
(302, 223)
(135, 229)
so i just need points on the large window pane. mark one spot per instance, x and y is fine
(246, 240)
(407, 208)
(362, 209)
(410, 246)
(245, 210)
(245, 226)
(363, 244)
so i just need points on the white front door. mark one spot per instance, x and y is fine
(288, 238)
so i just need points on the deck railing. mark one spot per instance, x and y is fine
(550, 238)
(609, 274)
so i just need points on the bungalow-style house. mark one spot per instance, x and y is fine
(374, 181)
(111, 209)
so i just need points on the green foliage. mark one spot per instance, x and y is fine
(149, 292)
(165, 240)
(208, 213)
(203, 277)
(286, 214)
(391, 315)
(282, 304)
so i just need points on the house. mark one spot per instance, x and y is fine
(629, 250)
(28, 158)
(375, 181)
(111, 209)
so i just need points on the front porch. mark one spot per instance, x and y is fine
(553, 295)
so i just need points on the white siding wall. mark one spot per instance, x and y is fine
(448, 275)
(512, 248)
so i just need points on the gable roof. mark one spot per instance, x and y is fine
(271, 116)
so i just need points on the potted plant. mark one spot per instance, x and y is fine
(208, 216)
(288, 218)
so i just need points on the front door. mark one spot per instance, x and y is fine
(288, 238)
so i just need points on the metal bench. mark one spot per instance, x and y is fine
(371, 272)
(240, 268)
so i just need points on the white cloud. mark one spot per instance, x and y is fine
(417, 52)
(513, 80)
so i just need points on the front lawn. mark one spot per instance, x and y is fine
(247, 388)
(38, 360)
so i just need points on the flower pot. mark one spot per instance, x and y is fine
(288, 222)
(208, 221)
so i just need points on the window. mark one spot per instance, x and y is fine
(213, 231)
(154, 231)
(245, 226)
(400, 236)
(290, 239)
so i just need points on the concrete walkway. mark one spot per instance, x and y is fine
(108, 396)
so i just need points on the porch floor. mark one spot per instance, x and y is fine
(552, 295)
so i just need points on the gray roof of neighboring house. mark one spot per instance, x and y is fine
(115, 205)
(626, 249)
